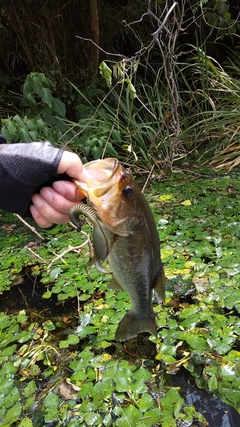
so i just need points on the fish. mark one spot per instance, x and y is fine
(125, 235)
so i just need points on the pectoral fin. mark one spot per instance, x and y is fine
(115, 285)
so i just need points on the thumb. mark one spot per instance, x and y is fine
(70, 164)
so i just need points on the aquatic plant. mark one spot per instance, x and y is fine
(59, 363)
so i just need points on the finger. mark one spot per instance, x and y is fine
(55, 215)
(68, 190)
(55, 200)
(70, 164)
(38, 218)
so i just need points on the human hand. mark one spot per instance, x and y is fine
(52, 204)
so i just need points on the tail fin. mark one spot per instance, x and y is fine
(130, 326)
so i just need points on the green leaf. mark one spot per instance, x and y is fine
(5, 321)
(47, 294)
(131, 89)
(55, 272)
(146, 402)
(96, 152)
(46, 96)
(30, 388)
(63, 344)
(92, 419)
(26, 422)
(22, 317)
(131, 416)
(212, 383)
(12, 415)
(73, 339)
(110, 150)
(51, 407)
(106, 72)
(58, 107)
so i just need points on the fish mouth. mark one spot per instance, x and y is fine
(99, 176)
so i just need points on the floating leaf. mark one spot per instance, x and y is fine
(166, 197)
(30, 388)
(26, 422)
(212, 383)
(186, 202)
(12, 415)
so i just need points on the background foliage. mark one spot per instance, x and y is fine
(166, 91)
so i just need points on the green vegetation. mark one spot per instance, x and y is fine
(161, 97)
(168, 98)
(63, 366)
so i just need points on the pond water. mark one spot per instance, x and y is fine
(216, 412)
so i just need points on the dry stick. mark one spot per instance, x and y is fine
(149, 176)
(60, 256)
(23, 297)
(34, 286)
(157, 32)
(139, 53)
(78, 301)
(104, 51)
(29, 226)
(144, 49)
(86, 235)
(74, 248)
(70, 249)
(34, 254)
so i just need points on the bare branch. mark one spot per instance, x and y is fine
(102, 50)
(33, 229)
(69, 249)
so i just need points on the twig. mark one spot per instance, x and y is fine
(149, 176)
(60, 256)
(146, 48)
(70, 249)
(23, 297)
(34, 253)
(29, 226)
(104, 51)
(78, 301)
(157, 32)
(86, 235)
(34, 286)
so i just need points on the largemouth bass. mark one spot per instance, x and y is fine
(124, 234)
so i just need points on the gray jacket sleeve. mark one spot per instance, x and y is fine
(24, 169)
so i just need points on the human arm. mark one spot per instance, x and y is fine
(26, 168)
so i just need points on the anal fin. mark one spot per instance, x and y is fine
(159, 288)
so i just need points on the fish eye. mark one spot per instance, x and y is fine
(127, 191)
